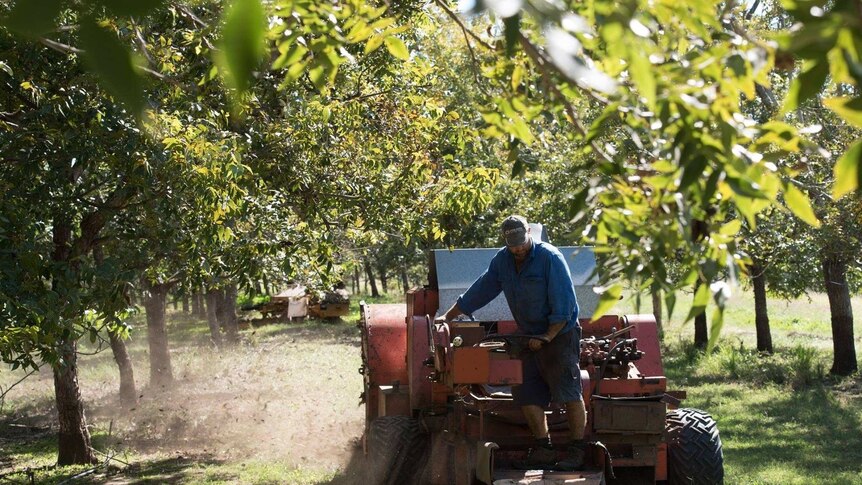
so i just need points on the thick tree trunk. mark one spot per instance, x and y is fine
(835, 276)
(761, 314)
(655, 292)
(701, 335)
(229, 318)
(161, 373)
(128, 394)
(369, 274)
(405, 285)
(185, 303)
(74, 438)
(212, 316)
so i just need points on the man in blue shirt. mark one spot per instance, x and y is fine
(538, 286)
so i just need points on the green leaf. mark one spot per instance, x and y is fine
(33, 17)
(643, 75)
(318, 76)
(112, 63)
(670, 303)
(609, 297)
(290, 56)
(518, 167)
(847, 173)
(512, 26)
(396, 47)
(603, 122)
(715, 328)
(131, 7)
(848, 109)
(807, 85)
(799, 204)
(698, 304)
(731, 228)
(243, 42)
(692, 171)
(373, 43)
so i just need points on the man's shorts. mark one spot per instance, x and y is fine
(551, 374)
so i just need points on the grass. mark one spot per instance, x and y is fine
(282, 407)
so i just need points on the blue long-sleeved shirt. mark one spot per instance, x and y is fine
(542, 293)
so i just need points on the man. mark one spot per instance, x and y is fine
(538, 286)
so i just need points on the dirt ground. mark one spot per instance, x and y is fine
(290, 395)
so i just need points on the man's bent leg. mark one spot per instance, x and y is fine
(576, 415)
(541, 454)
(536, 420)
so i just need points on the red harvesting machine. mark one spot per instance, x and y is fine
(439, 408)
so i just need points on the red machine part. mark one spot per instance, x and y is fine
(643, 328)
(384, 352)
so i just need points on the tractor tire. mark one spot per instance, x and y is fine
(694, 453)
(397, 451)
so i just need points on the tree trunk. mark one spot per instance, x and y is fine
(404, 283)
(128, 394)
(370, 276)
(656, 307)
(74, 438)
(212, 316)
(161, 373)
(196, 305)
(701, 336)
(835, 276)
(202, 312)
(229, 319)
(761, 314)
(185, 303)
(699, 231)
(355, 280)
(384, 280)
(174, 303)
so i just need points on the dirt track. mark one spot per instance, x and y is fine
(291, 395)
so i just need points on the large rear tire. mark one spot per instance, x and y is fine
(694, 452)
(397, 451)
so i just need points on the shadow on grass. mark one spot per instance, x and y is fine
(808, 431)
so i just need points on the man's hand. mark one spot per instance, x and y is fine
(450, 314)
(537, 342)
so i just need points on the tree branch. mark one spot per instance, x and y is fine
(543, 64)
(464, 28)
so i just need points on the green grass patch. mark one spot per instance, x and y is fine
(782, 420)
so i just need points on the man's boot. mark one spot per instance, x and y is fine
(540, 457)
(575, 457)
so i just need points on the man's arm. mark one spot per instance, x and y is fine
(480, 293)
(561, 297)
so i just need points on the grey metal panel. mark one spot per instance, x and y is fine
(457, 269)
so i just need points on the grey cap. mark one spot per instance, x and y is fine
(514, 230)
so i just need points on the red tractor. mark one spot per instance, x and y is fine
(439, 408)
